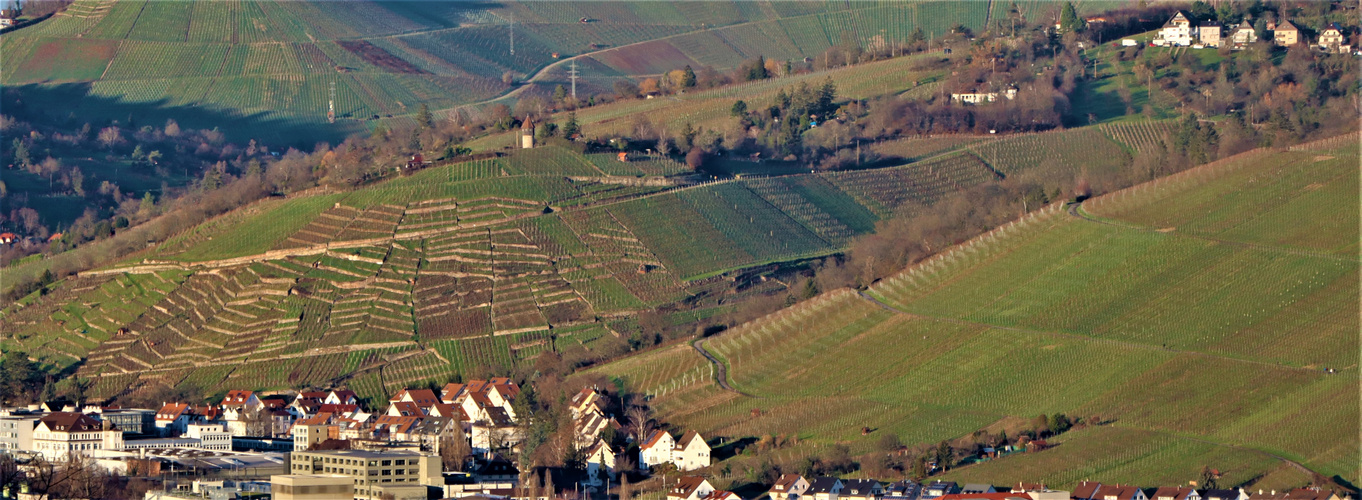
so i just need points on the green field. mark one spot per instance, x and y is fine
(1190, 313)
(245, 63)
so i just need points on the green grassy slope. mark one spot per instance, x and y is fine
(276, 62)
(1185, 312)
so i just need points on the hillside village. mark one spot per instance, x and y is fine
(462, 441)
(940, 250)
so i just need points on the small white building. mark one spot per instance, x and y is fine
(789, 487)
(211, 436)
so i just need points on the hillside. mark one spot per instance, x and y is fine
(274, 63)
(461, 266)
(1196, 315)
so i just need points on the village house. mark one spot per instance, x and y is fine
(722, 495)
(1175, 493)
(789, 487)
(860, 489)
(422, 398)
(172, 419)
(656, 449)
(1333, 39)
(1238, 494)
(239, 409)
(1286, 34)
(690, 488)
(341, 397)
(975, 96)
(1209, 34)
(939, 489)
(901, 490)
(974, 488)
(61, 433)
(1177, 32)
(1243, 34)
(691, 452)
(600, 463)
(824, 488)
(1007, 495)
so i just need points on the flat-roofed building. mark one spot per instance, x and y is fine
(371, 468)
(311, 486)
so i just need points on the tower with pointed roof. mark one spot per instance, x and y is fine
(527, 133)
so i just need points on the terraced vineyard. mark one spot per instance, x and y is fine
(1190, 313)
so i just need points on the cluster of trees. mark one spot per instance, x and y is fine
(77, 476)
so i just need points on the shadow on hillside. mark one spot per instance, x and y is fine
(70, 105)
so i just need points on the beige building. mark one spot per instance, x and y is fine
(1286, 34)
(370, 469)
(1209, 34)
(311, 487)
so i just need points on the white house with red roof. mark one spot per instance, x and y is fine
(239, 408)
(341, 397)
(424, 398)
(656, 449)
(173, 418)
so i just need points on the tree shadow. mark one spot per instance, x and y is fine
(71, 105)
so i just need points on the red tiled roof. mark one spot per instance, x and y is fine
(652, 440)
(686, 486)
(171, 411)
(422, 397)
(407, 409)
(237, 397)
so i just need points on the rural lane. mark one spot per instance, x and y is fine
(720, 371)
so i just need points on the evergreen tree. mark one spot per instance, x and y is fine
(1068, 18)
(559, 93)
(21, 154)
(148, 204)
(917, 36)
(739, 109)
(687, 77)
(571, 128)
(424, 118)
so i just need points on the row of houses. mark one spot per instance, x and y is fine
(797, 487)
(1179, 32)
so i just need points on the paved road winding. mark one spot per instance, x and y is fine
(720, 371)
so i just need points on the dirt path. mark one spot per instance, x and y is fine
(720, 371)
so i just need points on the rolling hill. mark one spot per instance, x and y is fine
(481, 263)
(274, 63)
(1196, 315)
